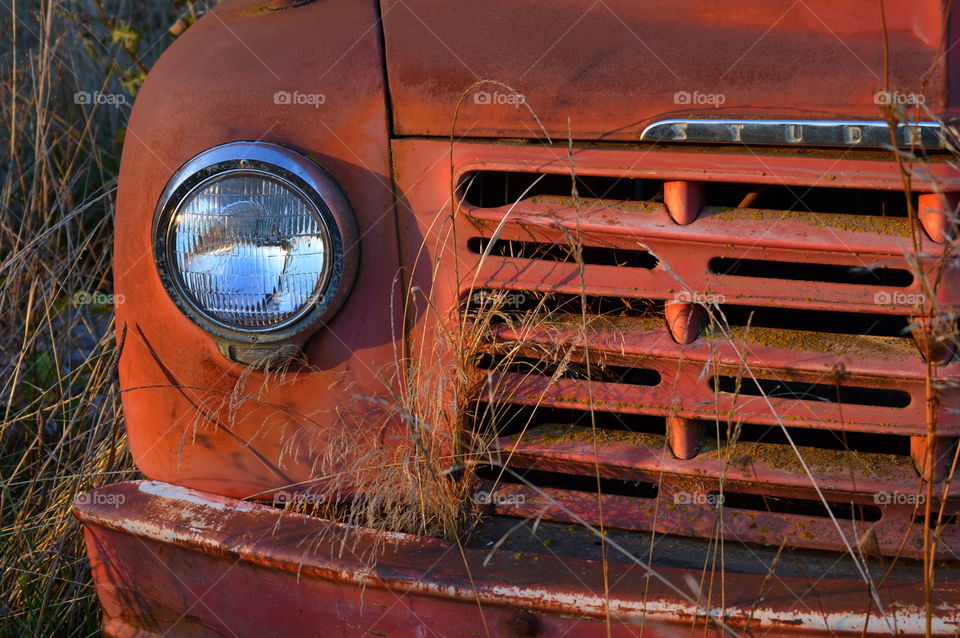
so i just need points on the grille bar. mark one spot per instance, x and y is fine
(747, 467)
(685, 253)
(889, 371)
(699, 403)
(793, 351)
(685, 509)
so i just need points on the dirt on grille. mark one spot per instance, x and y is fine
(820, 461)
(611, 323)
(596, 205)
(558, 434)
(895, 226)
(822, 342)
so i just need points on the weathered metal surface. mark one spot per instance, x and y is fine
(837, 169)
(684, 200)
(172, 561)
(606, 71)
(684, 253)
(685, 320)
(794, 237)
(685, 371)
(674, 514)
(683, 436)
(934, 337)
(423, 170)
(686, 390)
(192, 416)
(937, 212)
(689, 491)
(941, 453)
(750, 466)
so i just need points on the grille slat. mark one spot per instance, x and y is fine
(744, 465)
(684, 253)
(882, 387)
(636, 339)
(696, 403)
(766, 494)
(692, 513)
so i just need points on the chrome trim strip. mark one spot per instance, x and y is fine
(852, 133)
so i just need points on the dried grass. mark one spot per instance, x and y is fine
(61, 430)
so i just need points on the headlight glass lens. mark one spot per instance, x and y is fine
(250, 250)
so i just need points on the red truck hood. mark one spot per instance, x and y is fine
(606, 69)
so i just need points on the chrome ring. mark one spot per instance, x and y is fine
(296, 172)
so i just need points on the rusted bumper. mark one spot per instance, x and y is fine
(168, 560)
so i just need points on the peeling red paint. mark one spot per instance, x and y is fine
(260, 571)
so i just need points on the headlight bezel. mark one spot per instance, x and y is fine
(310, 181)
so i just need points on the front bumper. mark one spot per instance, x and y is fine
(173, 561)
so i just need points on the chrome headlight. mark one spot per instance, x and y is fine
(255, 242)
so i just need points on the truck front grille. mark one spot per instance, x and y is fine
(795, 413)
